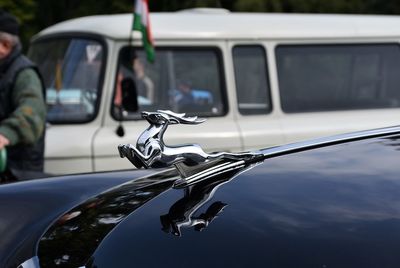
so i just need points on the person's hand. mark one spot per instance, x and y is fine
(3, 141)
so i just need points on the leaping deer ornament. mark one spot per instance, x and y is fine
(151, 151)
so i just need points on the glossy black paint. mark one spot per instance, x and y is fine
(74, 237)
(28, 208)
(330, 207)
(335, 206)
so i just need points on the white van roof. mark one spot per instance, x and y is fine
(222, 24)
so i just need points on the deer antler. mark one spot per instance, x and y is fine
(176, 118)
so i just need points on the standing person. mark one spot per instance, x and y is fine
(144, 85)
(22, 104)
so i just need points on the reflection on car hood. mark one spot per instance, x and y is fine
(333, 206)
(28, 208)
(328, 207)
(92, 220)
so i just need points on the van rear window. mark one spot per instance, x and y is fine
(338, 77)
(182, 80)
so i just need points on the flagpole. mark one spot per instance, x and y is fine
(120, 131)
(130, 40)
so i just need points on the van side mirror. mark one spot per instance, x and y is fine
(129, 95)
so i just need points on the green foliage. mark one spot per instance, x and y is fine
(320, 6)
(23, 10)
(25, 13)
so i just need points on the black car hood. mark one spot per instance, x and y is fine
(28, 208)
(337, 206)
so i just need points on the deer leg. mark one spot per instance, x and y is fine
(133, 155)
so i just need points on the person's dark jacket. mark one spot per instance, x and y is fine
(22, 112)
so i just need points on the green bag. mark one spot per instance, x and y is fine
(3, 160)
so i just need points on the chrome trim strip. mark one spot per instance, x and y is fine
(213, 171)
(31, 263)
(324, 141)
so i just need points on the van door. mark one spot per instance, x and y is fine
(72, 68)
(257, 118)
(328, 89)
(187, 80)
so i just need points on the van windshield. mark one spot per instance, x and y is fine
(71, 70)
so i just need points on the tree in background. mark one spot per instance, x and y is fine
(25, 13)
(35, 15)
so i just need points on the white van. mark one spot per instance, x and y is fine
(260, 80)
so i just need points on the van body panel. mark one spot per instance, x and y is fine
(72, 165)
(68, 148)
(258, 130)
(297, 127)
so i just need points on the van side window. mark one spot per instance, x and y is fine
(182, 80)
(338, 77)
(251, 76)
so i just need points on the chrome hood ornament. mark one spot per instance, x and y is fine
(190, 160)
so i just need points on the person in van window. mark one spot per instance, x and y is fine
(184, 98)
(144, 85)
(22, 103)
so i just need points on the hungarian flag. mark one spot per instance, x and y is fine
(141, 23)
